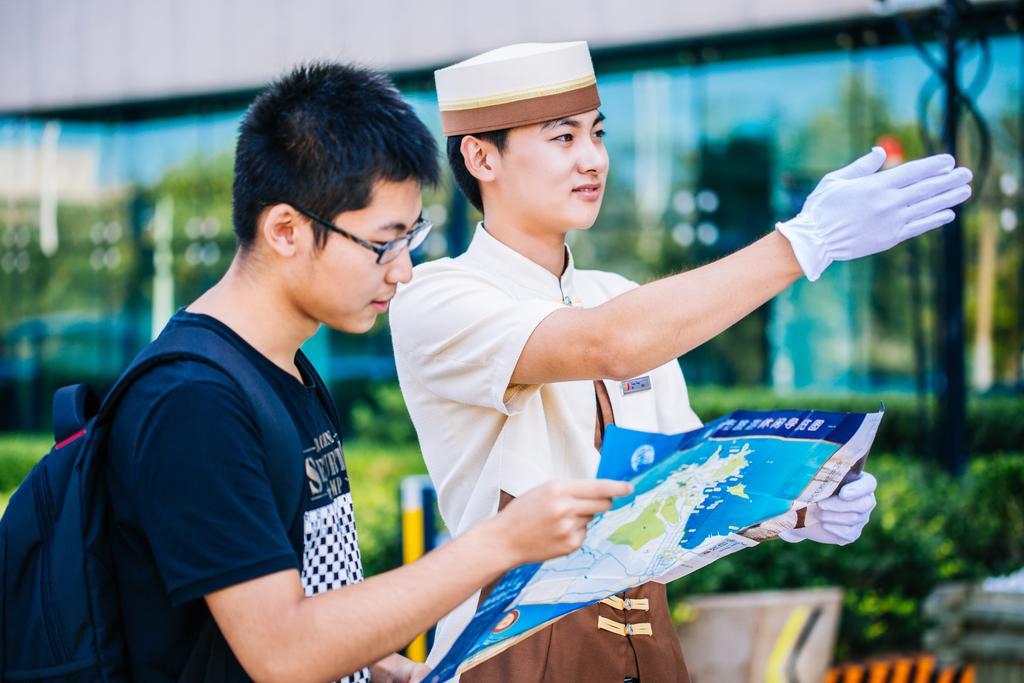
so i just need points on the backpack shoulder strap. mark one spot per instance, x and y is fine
(321, 390)
(205, 345)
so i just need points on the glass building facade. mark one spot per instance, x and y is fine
(113, 217)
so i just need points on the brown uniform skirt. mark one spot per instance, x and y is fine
(627, 636)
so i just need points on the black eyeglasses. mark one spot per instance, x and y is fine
(387, 252)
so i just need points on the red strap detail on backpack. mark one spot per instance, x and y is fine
(68, 440)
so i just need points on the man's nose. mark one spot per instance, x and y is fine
(593, 157)
(400, 270)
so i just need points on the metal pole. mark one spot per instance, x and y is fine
(952, 389)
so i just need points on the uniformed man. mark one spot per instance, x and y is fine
(512, 361)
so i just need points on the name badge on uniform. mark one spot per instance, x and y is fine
(637, 384)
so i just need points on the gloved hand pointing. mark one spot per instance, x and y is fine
(857, 211)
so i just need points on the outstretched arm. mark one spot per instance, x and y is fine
(651, 325)
(854, 212)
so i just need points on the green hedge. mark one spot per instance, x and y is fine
(995, 424)
(18, 453)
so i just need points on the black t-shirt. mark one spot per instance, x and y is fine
(193, 509)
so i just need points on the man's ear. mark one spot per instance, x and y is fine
(480, 157)
(280, 227)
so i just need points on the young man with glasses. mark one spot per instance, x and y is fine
(213, 582)
(512, 361)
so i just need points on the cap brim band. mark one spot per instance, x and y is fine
(521, 113)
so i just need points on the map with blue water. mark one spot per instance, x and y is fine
(697, 497)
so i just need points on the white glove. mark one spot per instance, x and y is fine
(839, 519)
(855, 212)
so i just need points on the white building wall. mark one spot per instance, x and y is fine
(57, 53)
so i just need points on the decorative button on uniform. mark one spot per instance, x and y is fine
(616, 602)
(612, 626)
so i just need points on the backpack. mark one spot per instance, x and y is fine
(59, 614)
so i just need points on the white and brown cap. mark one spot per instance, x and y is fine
(517, 85)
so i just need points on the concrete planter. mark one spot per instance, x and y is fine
(761, 637)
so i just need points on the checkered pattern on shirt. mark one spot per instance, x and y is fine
(331, 554)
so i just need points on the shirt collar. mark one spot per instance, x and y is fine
(493, 255)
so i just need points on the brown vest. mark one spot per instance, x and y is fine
(626, 636)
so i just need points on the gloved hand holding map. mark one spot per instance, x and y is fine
(698, 496)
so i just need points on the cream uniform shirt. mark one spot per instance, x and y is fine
(458, 329)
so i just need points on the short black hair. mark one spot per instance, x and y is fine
(463, 178)
(321, 137)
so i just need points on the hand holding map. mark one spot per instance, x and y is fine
(552, 519)
(838, 520)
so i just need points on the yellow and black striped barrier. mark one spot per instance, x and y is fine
(919, 669)
(781, 664)
(419, 536)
